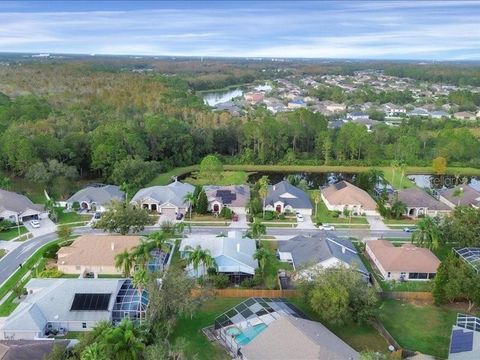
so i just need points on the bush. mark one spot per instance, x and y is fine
(268, 215)
(5, 225)
(51, 251)
(335, 214)
(252, 282)
(220, 281)
(226, 213)
(250, 218)
(76, 206)
(50, 273)
(281, 216)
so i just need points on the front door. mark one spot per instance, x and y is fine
(216, 208)
(278, 208)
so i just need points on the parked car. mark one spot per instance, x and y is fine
(326, 227)
(97, 215)
(35, 224)
(300, 217)
(234, 217)
(179, 216)
(409, 229)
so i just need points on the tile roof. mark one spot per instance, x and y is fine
(172, 193)
(415, 197)
(17, 203)
(468, 196)
(289, 195)
(101, 195)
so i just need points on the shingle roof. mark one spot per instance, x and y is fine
(289, 195)
(28, 349)
(294, 339)
(468, 195)
(17, 203)
(101, 195)
(315, 249)
(406, 258)
(344, 193)
(172, 193)
(415, 197)
(232, 195)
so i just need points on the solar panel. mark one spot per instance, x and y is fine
(461, 341)
(340, 185)
(90, 302)
(227, 196)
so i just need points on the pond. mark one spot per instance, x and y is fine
(444, 181)
(218, 97)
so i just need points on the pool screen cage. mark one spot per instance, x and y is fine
(468, 322)
(249, 313)
(471, 255)
(130, 303)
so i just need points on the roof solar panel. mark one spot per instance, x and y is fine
(90, 302)
(461, 341)
(227, 196)
(340, 185)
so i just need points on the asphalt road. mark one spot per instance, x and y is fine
(10, 262)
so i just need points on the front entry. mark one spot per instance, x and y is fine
(278, 208)
(216, 208)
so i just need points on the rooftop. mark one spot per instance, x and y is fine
(344, 193)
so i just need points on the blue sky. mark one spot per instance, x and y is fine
(443, 30)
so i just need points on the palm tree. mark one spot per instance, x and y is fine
(317, 198)
(124, 341)
(208, 261)
(398, 208)
(158, 240)
(179, 228)
(258, 229)
(124, 261)
(394, 165)
(263, 256)
(458, 193)
(140, 280)
(141, 254)
(199, 256)
(190, 198)
(403, 167)
(427, 234)
(93, 351)
(263, 190)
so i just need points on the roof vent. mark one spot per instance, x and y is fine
(273, 187)
(113, 246)
(238, 247)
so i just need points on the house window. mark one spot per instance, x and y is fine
(84, 325)
(413, 275)
(388, 274)
(431, 276)
(403, 275)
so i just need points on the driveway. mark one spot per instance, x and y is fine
(306, 224)
(47, 226)
(241, 223)
(376, 223)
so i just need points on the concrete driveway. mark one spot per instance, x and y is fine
(376, 223)
(306, 224)
(47, 226)
(241, 223)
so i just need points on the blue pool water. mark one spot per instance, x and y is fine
(249, 334)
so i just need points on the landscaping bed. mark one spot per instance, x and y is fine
(12, 233)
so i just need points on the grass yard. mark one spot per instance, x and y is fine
(166, 178)
(396, 179)
(272, 267)
(360, 337)
(400, 222)
(424, 328)
(407, 285)
(324, 215)
(12, 233)
(225, 178)
(191, 329)
(72, 217)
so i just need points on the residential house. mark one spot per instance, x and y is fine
(284, 197)
(254, 97)
(465, 338)
(369, 123)
(96, 198)
(29, 349)
(406, 262)
(307, 252)
(343, 195)
(357, 115)
(233, 254)
(334, 107)
(419, 112)
(463, 195)
(234, 197)
(72, 305)
(18, 208)
(439, 114)
(394, 110)
(419, 203)
(297, 104)
(94, 254)
(166, 200)
(464, 115)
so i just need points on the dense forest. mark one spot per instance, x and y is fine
(76, 119)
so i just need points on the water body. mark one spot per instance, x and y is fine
(218, 97)
(445, 181)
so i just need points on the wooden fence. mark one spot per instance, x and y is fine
(246, 293)
(408, 295)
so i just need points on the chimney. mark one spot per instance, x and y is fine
(113, 246)
(343, 249)
(238, 247)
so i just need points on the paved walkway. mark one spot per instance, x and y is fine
(306, 224)
(376, 223)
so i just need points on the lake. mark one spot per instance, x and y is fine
(445, 181)
(218, 97)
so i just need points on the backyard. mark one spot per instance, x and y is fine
(272, 266)
(12, 233)
(224, 178)
(419, 327)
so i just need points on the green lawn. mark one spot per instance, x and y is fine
(360, 337)
(166, 178)
(424, 328)
(406, 285)
(272, 267)
(225, 178)
(71, 217)
(191, 329)
(396, 179)
(12, 233)
(324, 215)
(400, 221)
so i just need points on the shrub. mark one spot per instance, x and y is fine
(76, 206)
(51, 251)
(5, 225)
(226, 213)
(250, 218)
(50, 273)
(252, 282)
(268, 215)
(281, 216)
(220, 281)
(335, 214)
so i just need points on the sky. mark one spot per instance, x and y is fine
(427, 30)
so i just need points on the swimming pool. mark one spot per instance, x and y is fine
(249, 334)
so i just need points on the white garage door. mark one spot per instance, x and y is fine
(168, 213)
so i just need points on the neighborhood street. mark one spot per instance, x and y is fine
(10, 262)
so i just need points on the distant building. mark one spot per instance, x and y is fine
(419, 112)
(394, 110)
(234, 197)
(334, 107)
(463, 195)
(439, 114)
(419, 203)
(358, 115)
(406, 262)
(297, 104)
(283, 197)
(254, 97)
(464, 115)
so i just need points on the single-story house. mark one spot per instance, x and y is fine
(357, 115)
(283, 196)
(463, 195)
(464, 115)
(94, 253)
(419, 112)
(465, 338)
(18, 208)
(233, 254)
(304, 252)
(297, 104)
(290, 338)
(96, 198)
(369, 123)
(344, 195)
(439, 114)
(420, 203)
(406, 262)
(393, 110)
(234, 197)
(28, 349)
(166, 200)
(71, 305)
(334, 107)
